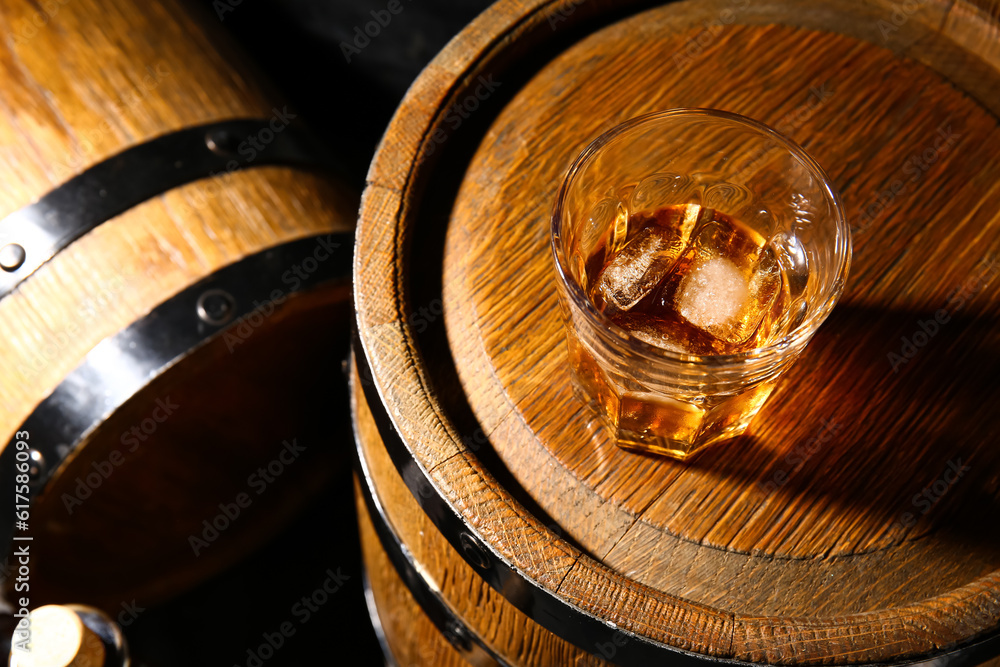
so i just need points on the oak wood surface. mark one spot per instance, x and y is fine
(412, 638)
(456, 312)
(82, 81)
(500, 287)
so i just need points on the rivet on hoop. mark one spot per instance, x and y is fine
(222, 142)
(12, 256)
(216, 307)
(457, 636)
(38, 469)
(475, 553)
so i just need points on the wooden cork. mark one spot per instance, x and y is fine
(59, 639)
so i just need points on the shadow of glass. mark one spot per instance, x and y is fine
(899, 420)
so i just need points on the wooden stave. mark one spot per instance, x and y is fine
(383, 496)
(394, 515)
(393, 194)
(234, 97)
(130, 536)
(163, 246)
(410, 638)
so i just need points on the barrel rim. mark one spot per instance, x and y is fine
(567, 621)
(388, 342)
(636, 650)
(150, 347)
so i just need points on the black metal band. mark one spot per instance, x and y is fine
(33, 235)
(556, 615)
(376, 621)
(465, 641)
(123, 364)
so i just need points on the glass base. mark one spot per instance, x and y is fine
(657, 423)
(682, 450)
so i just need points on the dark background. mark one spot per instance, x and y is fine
(297, 45)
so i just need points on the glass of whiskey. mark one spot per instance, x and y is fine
(697, 252)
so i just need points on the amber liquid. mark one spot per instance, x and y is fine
(671, 255)
(693, 281)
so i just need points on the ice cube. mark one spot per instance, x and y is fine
(713, 294)
(635, 270)
(793, 263)
(719, 297)
(650, 330)
(642, 263)
(765, 285)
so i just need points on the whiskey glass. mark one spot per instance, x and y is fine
(697, 251)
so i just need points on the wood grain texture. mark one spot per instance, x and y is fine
(232, 413)
(815, 548)
(723, 500)
(976, 26)
(78, 89)
(505, 629)
(411, 636)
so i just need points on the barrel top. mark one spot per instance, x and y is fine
(863, 499)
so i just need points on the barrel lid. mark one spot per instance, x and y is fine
(861, 507)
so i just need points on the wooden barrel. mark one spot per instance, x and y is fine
(856, 521)
(175, 257)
